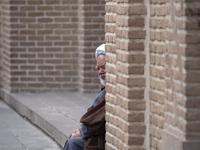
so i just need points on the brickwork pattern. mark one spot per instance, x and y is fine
(91, 35)
(173, 55)
(174, 96)
(157, 71)
(0, 43)
(49, 45)
(182, 114)
(190, 48)
(41, 45)
(125, 107)
(5, 45)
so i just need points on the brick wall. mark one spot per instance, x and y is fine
(0, 44)
(91, 35)
(182, 115)
(158, 54)
(152, 99)
(152, 104)
(125, 107)
(5, 45)
(44, 41)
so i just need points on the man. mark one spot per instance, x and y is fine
(91, 135)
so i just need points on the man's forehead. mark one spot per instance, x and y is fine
(101, 59)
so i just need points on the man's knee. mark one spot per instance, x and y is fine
(74, 143)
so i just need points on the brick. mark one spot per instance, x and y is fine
(17, 2)
(192, 103)
(53, 13)
(30, 32)
(63, 67)
(192, 64)
(35, 2)
(62, 32)
(29, 20)
(43, 8)
(64, 19)
(52, 2)
(132, 10)
(45, 20)
(27, 8)
(45, 79)
(45, 32)
(135, 140)
(52, 73)
(45, 55)
(53, 25)
(35, 61)
(35, 38)
(27, 55)
(193, 127)
(27, 44)
(131, 82)
(35, 85)
(192, 90)
(131, 58)
(35, 14)
(27, 67)
(18, 73)
(45, 67)
(35, 26)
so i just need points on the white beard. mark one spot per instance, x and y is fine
(102, 81)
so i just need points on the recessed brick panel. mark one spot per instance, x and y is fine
(43, 36)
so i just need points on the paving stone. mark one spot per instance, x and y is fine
(56, 113)
(19, 134)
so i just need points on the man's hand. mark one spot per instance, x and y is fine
(76, 133)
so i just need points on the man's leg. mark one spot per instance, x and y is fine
(76, 143)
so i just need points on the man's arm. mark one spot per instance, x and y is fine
(94, 119)
(84, 132)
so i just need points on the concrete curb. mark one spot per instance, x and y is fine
(55, 118)
(36, 119)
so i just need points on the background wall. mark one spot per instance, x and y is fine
(49, 45)
(91, 35)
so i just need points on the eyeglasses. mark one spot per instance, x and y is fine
(101, 67)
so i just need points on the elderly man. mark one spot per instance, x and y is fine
(91, 135)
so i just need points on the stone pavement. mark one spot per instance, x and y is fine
(19, 134)
(56, 113)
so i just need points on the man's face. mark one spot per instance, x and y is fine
(101, 62)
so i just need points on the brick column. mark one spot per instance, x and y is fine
(91, 35)
(125, 107)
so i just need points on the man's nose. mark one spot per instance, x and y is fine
(101, 70)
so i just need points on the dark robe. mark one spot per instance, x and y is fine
(94, 119)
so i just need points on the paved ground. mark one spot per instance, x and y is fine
(56, 113)
(16, 133)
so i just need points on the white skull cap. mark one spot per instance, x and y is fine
(100, 50)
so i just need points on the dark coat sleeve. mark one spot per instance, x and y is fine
(94, 118)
